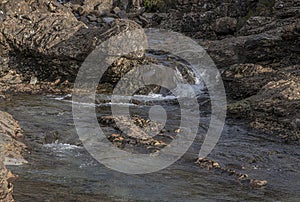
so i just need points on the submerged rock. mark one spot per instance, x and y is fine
(136, 133)
(243, 179)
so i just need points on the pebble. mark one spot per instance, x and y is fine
(254, 183)
(92, 18)
(33, 80)
(116, 10)
(108, 19)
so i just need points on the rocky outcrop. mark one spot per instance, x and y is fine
(269, 98)
(277, 48)
(256, 44)
(48, 42)
(264, 32)
(10, 153)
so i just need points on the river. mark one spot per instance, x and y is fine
(60, 169)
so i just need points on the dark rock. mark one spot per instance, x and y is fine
(257, 24)
(134, 5)
(271, 98)
(276, 48)
(225, 25)
(196, 17)
(245, 80)
(122, 14)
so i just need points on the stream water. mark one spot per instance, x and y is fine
(60, 169)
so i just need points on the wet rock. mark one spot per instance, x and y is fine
(253, 183)
(243, 179)
(108, 19)
(132, 126)
(136, 133)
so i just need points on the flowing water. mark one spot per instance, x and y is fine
(60, 169)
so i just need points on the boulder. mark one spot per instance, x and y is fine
(276, 48)
(225, 25)
(244, 80)
(49, 43)
(269, 99)
(101, 6)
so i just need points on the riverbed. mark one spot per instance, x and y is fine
(60, 169)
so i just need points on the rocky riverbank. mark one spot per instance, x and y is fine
(256, 46)
(255, 43)
(11, 150)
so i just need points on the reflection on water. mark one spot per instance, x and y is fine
(60, 169)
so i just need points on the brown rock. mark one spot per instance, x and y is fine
(104, 6)
(9, 149)
(54, 43)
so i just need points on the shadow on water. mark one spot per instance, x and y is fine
(60, 168)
